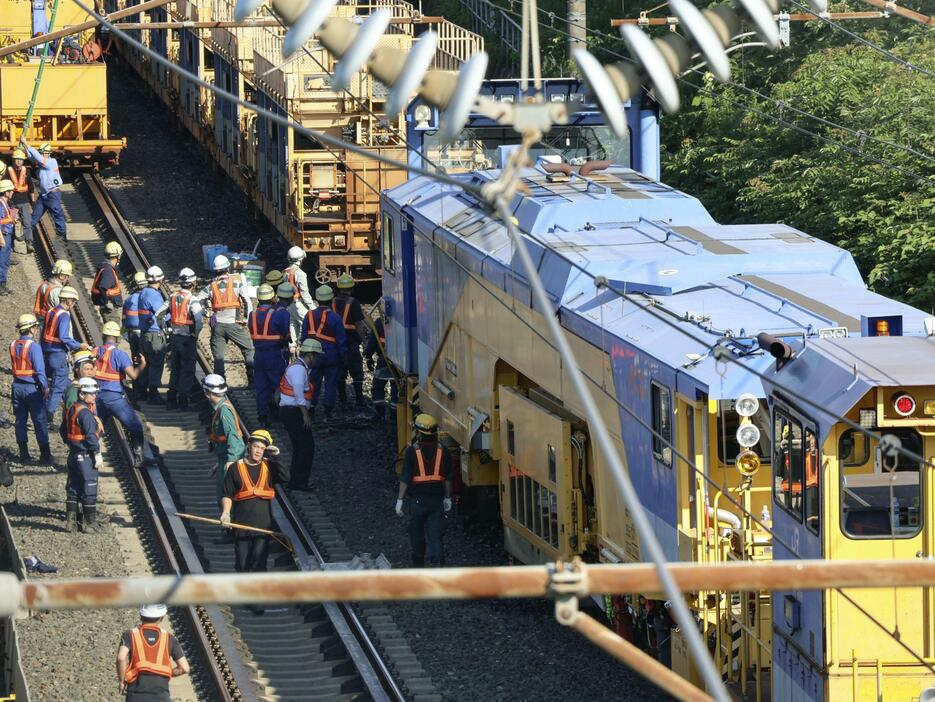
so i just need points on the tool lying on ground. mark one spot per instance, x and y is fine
(281, 538)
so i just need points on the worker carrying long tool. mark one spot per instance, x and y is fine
(248, 493)
(50, 183)
(148, 657)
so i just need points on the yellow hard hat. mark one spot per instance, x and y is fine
(139, 279)
(82, 356)
(110, 329)
(61, 267)
(19, 153)
(26, 321)
(45, 148)
(6, 186)
(68, 293)
(426, 423)
(345, 281)
(113, 249)
(263, 436)
(274, 278)
(265, 292)
(324, 293)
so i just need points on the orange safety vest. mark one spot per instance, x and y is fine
(19, 358)
(811, 475)
(43, 301)
(20, 183)
(263, 334)
(179, 305)
(436, 474)
(96, 285)
(102, 367)
(290, 276)
(148, 658)
(226, 300)
(74, 431)
(344, 314)
(222, 438)
(7, 217)
(286, 389)
(248, 490)
(320, 325)
(50, 329)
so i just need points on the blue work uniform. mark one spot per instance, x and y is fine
(29, 385)
(110, 365)
(57, 342)
(50, 195)
(350, 312)
(269, 330)
(153, 338)
(185, 316)
(105, 290)
(382, 375)
(324, 325)
(130, 321)
(81, 430)
(7, 228)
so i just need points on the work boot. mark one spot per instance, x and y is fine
(329, 414)
(250, 374)
(4, 290)
(342, 397)
(45, 455)
(172, 400)
(183, 404)
(154, 397)
(137, 456)
(91, 524)
(379, 412)
(24, 456)
(358, 395)
(71, 517)
(29, 248)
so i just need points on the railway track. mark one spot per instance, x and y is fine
(320, 652)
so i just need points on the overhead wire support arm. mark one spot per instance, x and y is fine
(892, 7)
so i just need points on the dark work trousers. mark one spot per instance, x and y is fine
(303, 446)
(24, 223)
(182, 365)
(82, 478)
(250, 552)
(29, 402)
(153, 346)
(426, 530)
(116, 404)
(354, 367)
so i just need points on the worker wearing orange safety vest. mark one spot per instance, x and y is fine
(130, 318)
(298, 279)
(226, 296)
(21, 176)
(295, 395)
(382, 375)
(48, 290)
(8, 217)
(111, 366)
(81, 430)
(225, 438)
(148, 657)
(348, 308)
(30, 388)
(184, 321)
(248, 492)
(106, 293)
(426, 480)
(325, 326)
(269, 331)
(57, 342)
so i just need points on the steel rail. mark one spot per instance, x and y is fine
(206, 628)
(352, 632)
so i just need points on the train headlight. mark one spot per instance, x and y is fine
(904, 404)
(747, 405)
(748, 435)
(748, 463)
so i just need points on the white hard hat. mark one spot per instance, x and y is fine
(88, 386)
(215, 384)
(221, 262)
(154, 274)
(153, 611)
(295, 254)
(187, 275)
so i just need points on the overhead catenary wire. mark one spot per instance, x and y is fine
(928, 180)
(327, 138)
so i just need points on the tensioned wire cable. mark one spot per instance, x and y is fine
(747, 108)
(354, 148)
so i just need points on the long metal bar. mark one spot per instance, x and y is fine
(451, 583)
(796, 17)
(76, 28)
(649, 544)
(888, 6)
(248, 23)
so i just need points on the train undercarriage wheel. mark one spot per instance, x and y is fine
(325, 275)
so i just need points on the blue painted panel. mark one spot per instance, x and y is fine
(226, 113)
(271, 157)
(794, 679)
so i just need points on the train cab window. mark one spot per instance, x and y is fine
(662, 423)
(812, 481)
(386, 237)
(881, 495)
(788, 463)
(728, 422)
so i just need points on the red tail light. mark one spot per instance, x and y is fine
(904, 404)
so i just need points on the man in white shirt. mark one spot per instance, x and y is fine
(295, 395)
